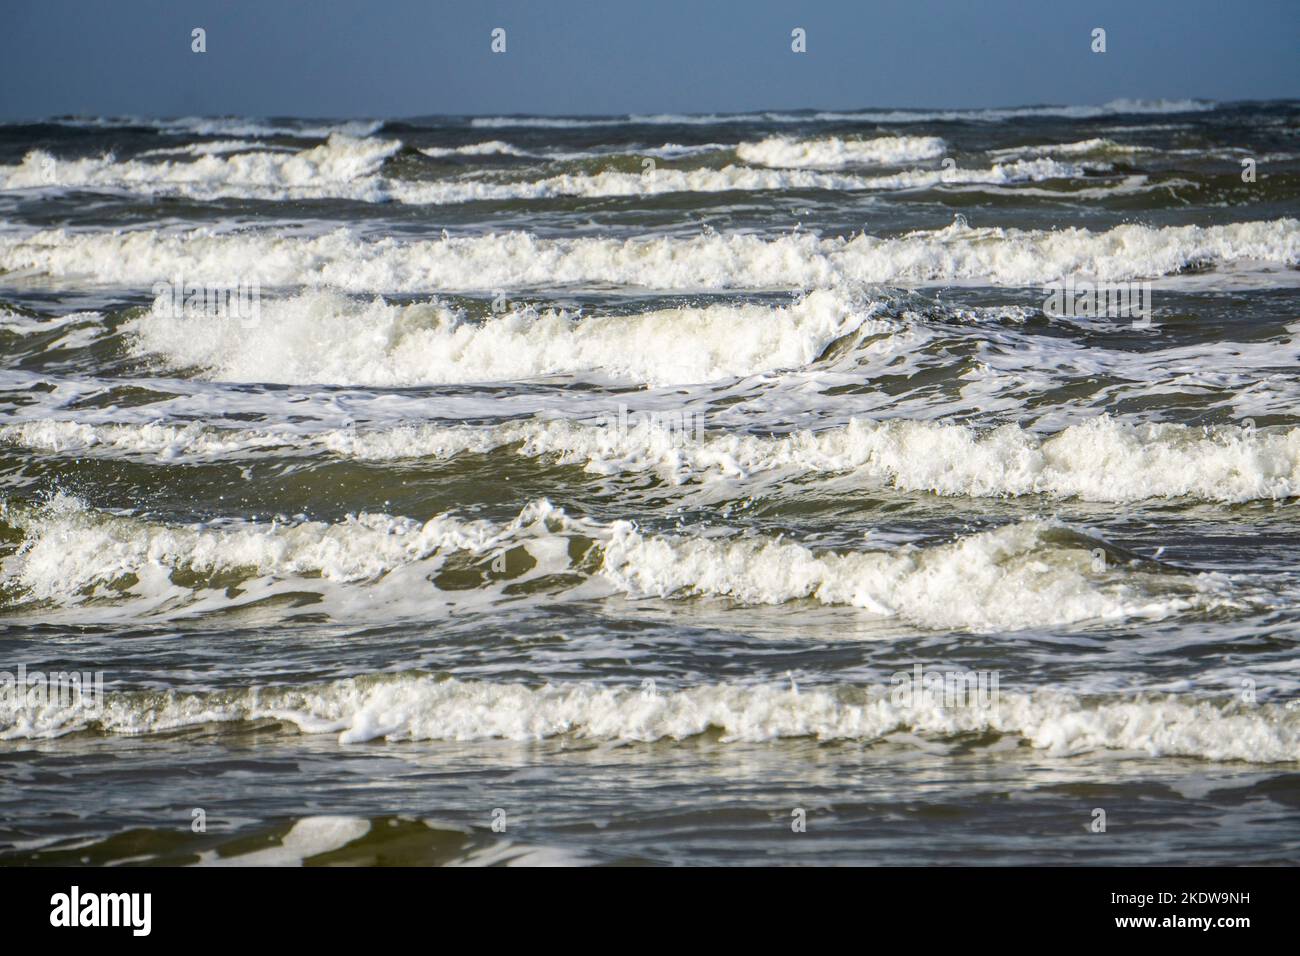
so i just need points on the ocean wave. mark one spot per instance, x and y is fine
(342, 166)
(1101, 460)
(1099, 147)
(157, 440)
(70, 550)
(326, 337)
(343, 260)
(1029, 574)
(543, 122)
(216, 148)
(416, 707)
(490, 148)
(1118, 107)
(557, 155)
(730, 178)
(836, 153)
(227, 126)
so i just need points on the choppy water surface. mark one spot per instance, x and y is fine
(598, 478)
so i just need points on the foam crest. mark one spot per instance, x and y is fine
(416, 707)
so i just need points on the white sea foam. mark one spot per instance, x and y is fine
(310, 836)
(836, 153)
(317, 835)
(416, 707)
(799, 261)
(327, 337)
(1029, 574)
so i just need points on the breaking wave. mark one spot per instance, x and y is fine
(326, 337)
(1100, 460)
(998, 256)
(1028, 574)
(417, 707)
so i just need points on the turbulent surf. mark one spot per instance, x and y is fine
(876, 458)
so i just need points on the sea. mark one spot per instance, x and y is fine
(865, 487)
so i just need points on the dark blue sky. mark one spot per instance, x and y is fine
(410, 57)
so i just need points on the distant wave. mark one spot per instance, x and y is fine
(350, 168)
(227, 126)
(343, 166)
(491, 148)
(1114, 108)
(321, 129)
(836, 153)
